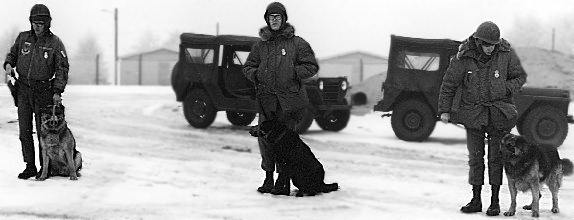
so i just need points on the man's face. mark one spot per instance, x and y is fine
(275, 21)
(487, 48)
(38, 27)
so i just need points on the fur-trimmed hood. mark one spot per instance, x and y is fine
(468, 48)
(267, 34)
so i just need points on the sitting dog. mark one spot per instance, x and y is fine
(59, 154)
(528, 166)
(301, 165)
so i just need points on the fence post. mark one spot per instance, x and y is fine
(97, 69)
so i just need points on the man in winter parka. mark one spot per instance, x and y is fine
(276, 65)
(486, 73)
(41, 61)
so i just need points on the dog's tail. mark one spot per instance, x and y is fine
(566, 167)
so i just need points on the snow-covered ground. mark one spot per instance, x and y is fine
(143, 161)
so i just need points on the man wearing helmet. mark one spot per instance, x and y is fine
(41, 61)
(276, 65)
(485, 73)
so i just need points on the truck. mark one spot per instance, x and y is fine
(411, 90)
(208, 78)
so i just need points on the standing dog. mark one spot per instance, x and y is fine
(301, 165)
(528, 166)
(59, 146)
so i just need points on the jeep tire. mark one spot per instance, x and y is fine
(198, 109)
(240, 118)
(336, 120)
(546, 125)
(305, 121)
(413, 120)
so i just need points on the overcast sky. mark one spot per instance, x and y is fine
(330, 26)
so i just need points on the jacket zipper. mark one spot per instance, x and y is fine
(33, 47)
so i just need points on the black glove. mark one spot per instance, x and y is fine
(254, 131)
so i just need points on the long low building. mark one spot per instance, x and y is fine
(148, 68)
(356, 66)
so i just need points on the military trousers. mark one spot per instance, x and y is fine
(268, 160)
(476, 151)
(31, 99)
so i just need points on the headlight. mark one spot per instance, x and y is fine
(344, 85)
(321, 85)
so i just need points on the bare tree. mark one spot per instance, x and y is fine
(85, 66)
(172, 42)
(529, 32)
(149, 40)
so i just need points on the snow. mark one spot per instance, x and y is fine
(143, 161)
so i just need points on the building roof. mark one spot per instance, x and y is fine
(354, 53)
(135, 55)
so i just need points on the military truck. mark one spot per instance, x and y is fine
(411, 89)
(208, 78)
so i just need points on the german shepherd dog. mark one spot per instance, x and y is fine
(528, 166)
(301, 165)
(59, 153)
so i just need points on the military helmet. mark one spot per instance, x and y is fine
(275, 8)
(40, 12)
(488, 32)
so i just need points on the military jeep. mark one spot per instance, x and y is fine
(208, 78)
(411, 89)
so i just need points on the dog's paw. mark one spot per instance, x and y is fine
(73, 178)
(527, 207)
(535, 214)
(299, 194)
(41, 178)
(508, 213)
(555, 210)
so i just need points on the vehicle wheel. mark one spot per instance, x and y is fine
(334, 121)
(240, 118)
(198, 109)
(545, 125)
(305, 122)
(413, 120)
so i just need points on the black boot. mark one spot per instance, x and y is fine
(267, 183)
(475, 205)
(30, 171)
(282, 186)
(494, 208)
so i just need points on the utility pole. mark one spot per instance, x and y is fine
(553, 38)
(116, 46)
(217, 28)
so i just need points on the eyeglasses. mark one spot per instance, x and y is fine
(275, 17)
(486, 44)
(38, 23)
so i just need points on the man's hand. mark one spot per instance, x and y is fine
(57, 99)
(445, 117)
(9, 70)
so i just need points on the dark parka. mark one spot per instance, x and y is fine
(482, 88)
(39, 59)
(277, 64)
